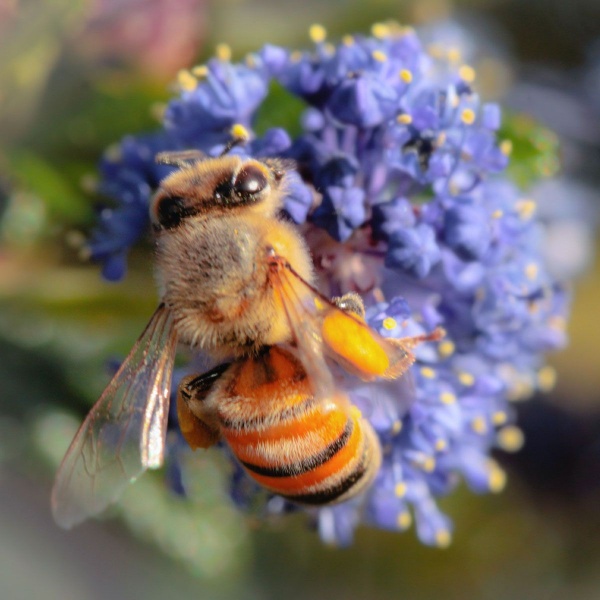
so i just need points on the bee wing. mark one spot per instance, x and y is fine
(320, 327)
(124, 432)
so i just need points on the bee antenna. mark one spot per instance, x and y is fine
(180, 158)
(239, 136)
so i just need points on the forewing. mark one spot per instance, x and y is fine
(320, 327)
(124, 433)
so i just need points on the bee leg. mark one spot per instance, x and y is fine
(350, 302)
(194, 420)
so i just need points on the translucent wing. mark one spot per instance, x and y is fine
(320, 327)
(124, 433)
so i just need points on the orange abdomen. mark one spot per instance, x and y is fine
(307, 451)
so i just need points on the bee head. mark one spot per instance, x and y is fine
(218, 186)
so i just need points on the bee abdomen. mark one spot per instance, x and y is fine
(324, 457)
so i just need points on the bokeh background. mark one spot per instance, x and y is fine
(77, 75)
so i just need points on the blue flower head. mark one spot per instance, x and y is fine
(402, 192)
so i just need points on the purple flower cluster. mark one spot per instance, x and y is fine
(403, 198)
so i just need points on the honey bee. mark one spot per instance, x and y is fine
(236, 282)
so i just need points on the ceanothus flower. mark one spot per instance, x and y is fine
(402, 194)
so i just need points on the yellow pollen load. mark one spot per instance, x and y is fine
(442, 538)
(446, 348)
(380, 30)
(223, 52)
(546, 378)
(526, 208)
(467, 73)
(389, 323)
(510, 438)
(428, 372)
(531, 271)
(447, 398)
(506, 147)
(348, 40)
(404, 119)
(466, 378)
(404, 520)
(353, 341)
(406, 76)
(496, 477)
(186, 80)
(397, 427)
(468, 116)
(379, 56)
(400, 490)
(499, 417)
(200, 71)
(478, 425)
(317, 33)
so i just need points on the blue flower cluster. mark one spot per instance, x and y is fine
(403, 198)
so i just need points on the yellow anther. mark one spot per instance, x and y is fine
(498, 214)
(441, 139)
(557, 322)
(379, 56)
(186, 80)
(442, 538)
(113, 153)
(389, 323)
(546, 378)
(397, 427)
(466, 378)
(380, 30)
(454, 55)
(447, 398)
(317, 33)
(348, 40)
(428, 465)
(223, 52)
(200, 71)
(499, 417)
(250, 61)
(468, 116)
(435, 50)
(441, 445)
(428, 372)
(496, 477)
(404, 119)
(400, 490)
(467, 73)
(404, 520)
(506, 147)
(239, 132)
(446, 348)
(479, 425)
(531, 271)
(510, 438)
(526, 208)
(406, 75)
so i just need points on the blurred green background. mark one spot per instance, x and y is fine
(77, 75)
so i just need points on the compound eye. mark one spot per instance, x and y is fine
(251, 180)
(169, 211)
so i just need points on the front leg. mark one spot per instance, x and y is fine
(195, 420)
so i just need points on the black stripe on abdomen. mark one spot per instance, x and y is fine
(308, 464)
(330, 494)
